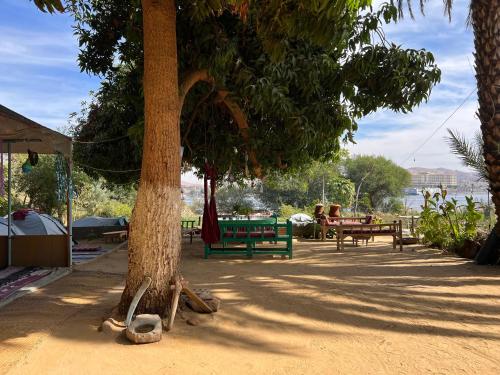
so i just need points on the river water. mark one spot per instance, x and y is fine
(415, 202)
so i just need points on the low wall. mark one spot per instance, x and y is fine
(81, 233)
(36, 251)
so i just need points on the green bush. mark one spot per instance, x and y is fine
(394, 205)
(286, 210)
(114, 208)
(445, 224)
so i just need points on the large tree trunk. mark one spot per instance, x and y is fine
(485, 16)
(154, 243)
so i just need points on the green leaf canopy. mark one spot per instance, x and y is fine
(301, 72)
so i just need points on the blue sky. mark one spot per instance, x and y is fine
(40, 78)
(397, 136)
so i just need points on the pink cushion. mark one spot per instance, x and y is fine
(367, 231)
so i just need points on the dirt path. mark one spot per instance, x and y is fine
(363, 311)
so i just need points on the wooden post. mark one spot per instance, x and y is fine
(400, 235)
(9, 204)
(340, 241)
(69, 206)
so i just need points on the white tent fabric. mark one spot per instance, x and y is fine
(4, 228)
(97, 221)
(29, 134)
(37, 224)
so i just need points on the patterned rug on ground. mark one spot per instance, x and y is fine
(85, 254)
(12, 279)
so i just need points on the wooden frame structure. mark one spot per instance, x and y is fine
(20, 133)
(367, 231)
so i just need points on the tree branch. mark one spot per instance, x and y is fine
(241, 120)
(238, 116)
(195, 113)
(190, 80)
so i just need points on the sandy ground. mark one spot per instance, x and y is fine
(362, 311)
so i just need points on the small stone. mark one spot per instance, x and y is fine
(111, 326)
(193, 321)
(199, 319)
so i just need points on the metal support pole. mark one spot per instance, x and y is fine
(69, 203)
(9, 204)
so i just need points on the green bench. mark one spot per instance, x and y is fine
(252, 233)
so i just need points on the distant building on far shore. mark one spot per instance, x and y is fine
(428, 179)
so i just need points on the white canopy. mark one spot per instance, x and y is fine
(20, 134)
(25, 133)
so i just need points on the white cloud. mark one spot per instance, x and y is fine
(399, 145)
(22, 47)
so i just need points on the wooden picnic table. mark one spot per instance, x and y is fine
(120, 235)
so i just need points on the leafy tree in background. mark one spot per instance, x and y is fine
(236, 199)
(38, 188)
(305, 186)
(288, 88)
(385, 179)
(99, 198)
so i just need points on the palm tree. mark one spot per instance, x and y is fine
(484, 16)
(470, 151)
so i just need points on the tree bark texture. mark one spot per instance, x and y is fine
(485, 17)
(154, 242)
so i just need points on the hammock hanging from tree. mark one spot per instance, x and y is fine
(210, 232)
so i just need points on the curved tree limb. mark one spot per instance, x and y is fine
(238, 116)
(195, 113)
(190, 80)
(241, 120)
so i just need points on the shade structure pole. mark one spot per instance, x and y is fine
(9, 204)
(69, 205)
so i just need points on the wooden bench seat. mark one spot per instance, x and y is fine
(252, 233)
(366, 231)
(333, 222)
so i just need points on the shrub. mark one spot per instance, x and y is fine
(286, 210)
(445, 224)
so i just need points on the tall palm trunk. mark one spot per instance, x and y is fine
(154, 244)
(485, 17)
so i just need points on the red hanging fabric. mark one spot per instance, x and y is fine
(213, 208)
(210, 232)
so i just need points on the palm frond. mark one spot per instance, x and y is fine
(470, 154)
(479, 141)
(50, 6)
(448, 5)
